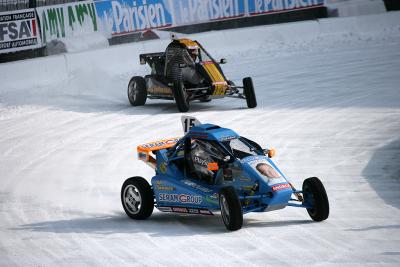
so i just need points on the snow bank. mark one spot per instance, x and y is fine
(69, 71)
(347, 8)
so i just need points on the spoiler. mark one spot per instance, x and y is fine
(146, 151)
(143, 58)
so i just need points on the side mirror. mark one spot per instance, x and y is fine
(223, 61)
(269, 152)
(142, 61)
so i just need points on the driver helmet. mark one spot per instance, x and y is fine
(193, 52)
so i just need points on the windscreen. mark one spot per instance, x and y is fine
(240, 148)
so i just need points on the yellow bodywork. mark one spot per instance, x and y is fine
(217, 79)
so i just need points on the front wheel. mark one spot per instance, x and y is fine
(314, 195)
(249, 93)
(137, 91)
(231, 209)
(137, 198)
(181, 97)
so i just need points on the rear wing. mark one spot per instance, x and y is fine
(151, 57)
(147, 151)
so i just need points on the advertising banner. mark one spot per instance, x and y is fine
(257, 7)
(19, 31)
(67, 20)
(197, 11)
(120, 17)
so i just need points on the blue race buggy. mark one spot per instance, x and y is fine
(213, 169)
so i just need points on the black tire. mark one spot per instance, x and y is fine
(137, 91)
(249, 93)
(314, 194)
(181, 97)
(144, 201)
(231, 209)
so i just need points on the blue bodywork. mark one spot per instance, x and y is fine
(177, 192)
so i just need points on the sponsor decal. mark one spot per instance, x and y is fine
(180, 209)
(244, 179)
(193, 211)
(19, 31)
(200, 161)
(227, 138)
(251, 158)
(161, 186)
(186, 210)
(280, 187)
(199, 135)
(160, 143)
(197, 186)
(205, 212)
(180, 198)
(163, 167)
(262, 166)
(160, 90)
(165, 188)
(165, 209)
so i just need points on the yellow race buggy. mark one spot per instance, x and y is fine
(186, 72)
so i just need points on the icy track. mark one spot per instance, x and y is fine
(329, 103)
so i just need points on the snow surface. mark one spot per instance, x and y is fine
(329, 103)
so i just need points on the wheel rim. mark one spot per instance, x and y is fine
(132, 90)
(224, 209)
(132, 199)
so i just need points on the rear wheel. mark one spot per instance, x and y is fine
(137, 91)
(137, 198)
(181, 97)
(248, 89)
(314, 195)
(231, 209)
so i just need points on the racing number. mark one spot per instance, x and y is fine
(189, 123)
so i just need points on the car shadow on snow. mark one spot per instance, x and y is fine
(159, 224)
(383, 173)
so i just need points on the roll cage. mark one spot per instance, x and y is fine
(159, 61)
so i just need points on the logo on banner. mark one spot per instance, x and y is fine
(123, 16)
(18, 31)
(66, 20)
(266, 6)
